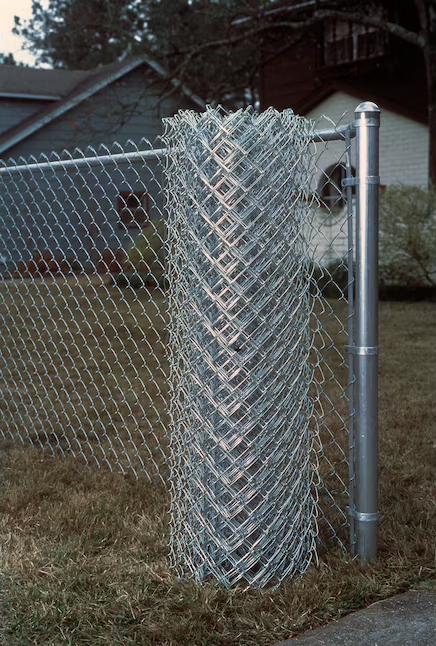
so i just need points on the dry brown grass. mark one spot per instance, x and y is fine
(85, 551)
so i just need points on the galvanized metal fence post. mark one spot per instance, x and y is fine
(367, 123)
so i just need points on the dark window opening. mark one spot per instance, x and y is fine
(133, 209)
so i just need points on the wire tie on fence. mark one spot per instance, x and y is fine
(363, 350)
(366, 517)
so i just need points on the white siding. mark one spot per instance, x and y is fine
(403, 142)
(403, 159)
(12, 111)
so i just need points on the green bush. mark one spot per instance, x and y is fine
(407, 241)
(145, 263)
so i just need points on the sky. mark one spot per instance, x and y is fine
(8, 42)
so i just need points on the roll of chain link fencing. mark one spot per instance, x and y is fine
(242, 474)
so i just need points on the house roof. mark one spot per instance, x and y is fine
(67, 89)
(409, 106)
(27, 82)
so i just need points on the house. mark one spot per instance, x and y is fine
(332, 69)
(60, 114)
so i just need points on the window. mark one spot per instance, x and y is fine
(349, 42)
(330, 187)
(133, 209)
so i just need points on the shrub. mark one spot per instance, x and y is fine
(46, 263)
(145, 262)
(407, 241)
(71, 266)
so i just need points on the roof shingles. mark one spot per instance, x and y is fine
(37, 82)
(73, 87)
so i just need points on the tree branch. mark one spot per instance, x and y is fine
(317, 16)
(374, 21)
(233, 40)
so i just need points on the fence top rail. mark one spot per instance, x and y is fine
(79, 162)
(333, 134)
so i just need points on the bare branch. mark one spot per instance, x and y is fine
(375, 21)
(245, 35)
(176, 76)
(318, 16)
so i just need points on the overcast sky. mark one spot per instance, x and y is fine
(8, 42)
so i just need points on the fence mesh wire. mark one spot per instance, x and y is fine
(86, 316)
(242, 468)
(83, 365)
(333, 255)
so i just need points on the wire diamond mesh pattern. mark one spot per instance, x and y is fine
(333, 255)
(82, 362)
(241, 436)
(234, 379)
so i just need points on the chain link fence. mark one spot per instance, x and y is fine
(83, 366)
(182, 314)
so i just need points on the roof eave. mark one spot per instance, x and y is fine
(29, 96)
(68, 103)
(311, 102)
(157, 67)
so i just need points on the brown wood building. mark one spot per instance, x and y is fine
(332, 68)
(336, 55)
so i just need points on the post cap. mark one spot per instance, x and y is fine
(367, 107)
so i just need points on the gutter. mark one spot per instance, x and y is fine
(37, 97)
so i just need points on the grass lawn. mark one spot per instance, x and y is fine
(84, 552)
(84, 371)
